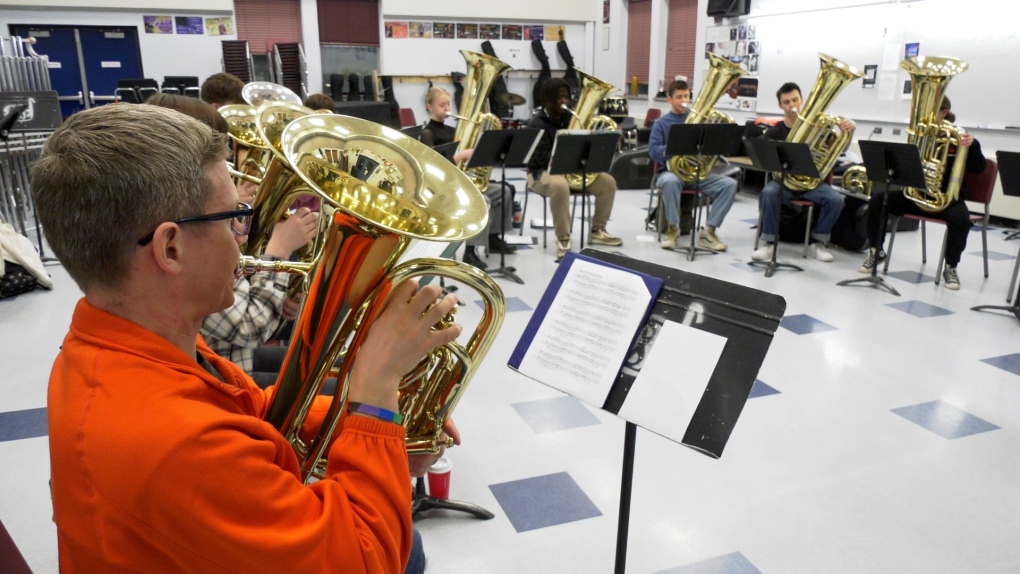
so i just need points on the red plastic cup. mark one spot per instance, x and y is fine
(439, 478)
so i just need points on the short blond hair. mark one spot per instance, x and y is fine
(431, 93)
(111, 174)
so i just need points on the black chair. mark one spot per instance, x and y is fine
(336, 87)
(354, 87)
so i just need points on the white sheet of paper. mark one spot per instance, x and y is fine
(420, 248)
(585, 336)
(646, 238)
(673, 379)
(887, 87)
(891, 57)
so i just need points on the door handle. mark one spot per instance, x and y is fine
(81, 99)
(92, 98)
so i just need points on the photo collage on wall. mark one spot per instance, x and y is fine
(473, 30)
(740, 45)
(195, 25)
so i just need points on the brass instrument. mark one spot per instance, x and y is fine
(819, 130)
(585, 118)
(929, 78)
(379, 190)
(251, 153)
(256, 93)
(482, 72)
(721, 73)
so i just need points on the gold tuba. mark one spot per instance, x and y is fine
(257, 93)
(250, 152)
(721, 73)
(482, 72)
(593, 90)
(819, 130)
(379, 190)
(929, 77)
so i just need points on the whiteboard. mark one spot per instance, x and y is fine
(436, 56)
(976, 31)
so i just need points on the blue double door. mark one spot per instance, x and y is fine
(85, 61)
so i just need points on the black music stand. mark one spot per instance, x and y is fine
(412, 131)
(699, 140)
(787, 159)
(504, 148)
(1009, 174)
(896, 164)
(584, 153)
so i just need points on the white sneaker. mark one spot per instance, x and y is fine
(763, 253)
(819, 252)
(562, 246)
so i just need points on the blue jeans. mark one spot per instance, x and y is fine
(721, 189)
(829, 201)
(416, 563)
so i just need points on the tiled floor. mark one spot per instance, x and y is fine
(841, 465)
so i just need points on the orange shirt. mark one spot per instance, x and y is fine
(159, 467)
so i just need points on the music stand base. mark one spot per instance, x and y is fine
(422, 502)
(771, 266)
(692, 251)
(872, 281)
(508, 272)
(1014, 309)
(1011, 235)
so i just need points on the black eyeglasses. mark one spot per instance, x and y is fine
(240, 221)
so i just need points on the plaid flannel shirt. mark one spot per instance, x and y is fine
(257, 312)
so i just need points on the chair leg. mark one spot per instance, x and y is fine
(1012, 282)
(892, 239)
(524, 212)
(924, 244)
(545, 221)
(942, 256)
(807, 232)
(984, 241)
(757, 232)
(573, 208)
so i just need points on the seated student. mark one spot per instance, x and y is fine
(956, 215)
(436, 132)
(160, 457)
(721, 189)
(830, 201)
(551, 118)
(222, 89)
(260, 301)
(320, 102)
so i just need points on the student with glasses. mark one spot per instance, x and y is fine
(160, 456)
(260, 302)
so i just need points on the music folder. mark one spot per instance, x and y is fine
(673, 352)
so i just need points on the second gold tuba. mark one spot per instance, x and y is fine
(585, 117)
(251, 154)
(482, 72)
(721, 73)
(819, 130)
(379, 190)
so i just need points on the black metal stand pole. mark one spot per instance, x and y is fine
(874, 280)
(626, 485)
(504, 271)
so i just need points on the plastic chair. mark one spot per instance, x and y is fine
(979, 190)
(586, 210)
(810, 205)
(650, 117)
(407, 118)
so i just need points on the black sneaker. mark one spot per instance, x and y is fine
(471, 258)
(870, 262)
(951, 278)
(497, 245)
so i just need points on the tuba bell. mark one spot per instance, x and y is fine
(482, 72)
(585, 117)
(721, 73)
(379, 190)
(257, 93)
(251, 153)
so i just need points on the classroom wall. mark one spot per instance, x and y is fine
(193, 6)
(162, 54)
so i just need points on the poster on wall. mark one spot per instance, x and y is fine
(189, 25)
(911, 50)
(870, 75)
(555, 33)
(605, 11)
(158, 24)
(395, 29)
(420, 29)
(467, 31)
(534, 32)
(512, 32)
(488, 31)
(742, 95)
(736, 44)
(443, 30)
(219, 26)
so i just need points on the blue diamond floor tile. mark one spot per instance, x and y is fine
(748, 268)
(994, 255)
(555, 414)
(543, 501)
(1009, 363)
(750, 221)
(911, 276)
(805, 324)
(920, 309)
(513, 304)
(944, 419)
(760, 389)
(17, 425)
(734, 563)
